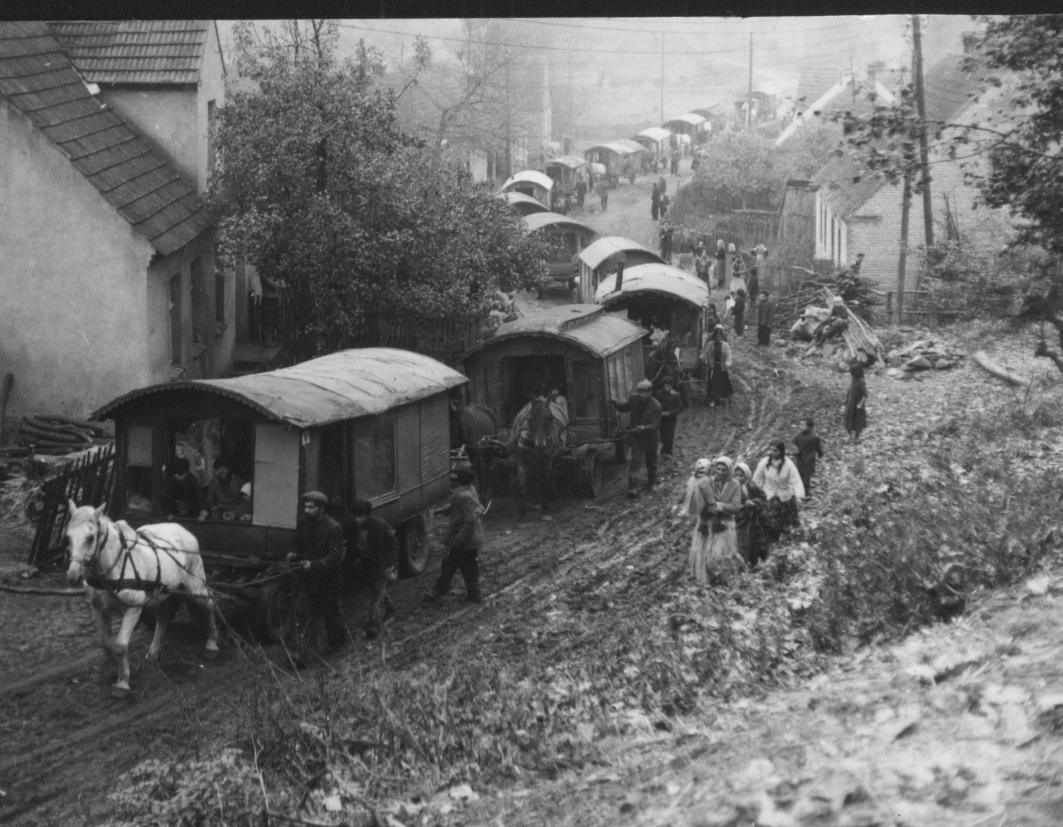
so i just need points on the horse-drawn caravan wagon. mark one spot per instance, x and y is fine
(531, 182)
(666, 298)
(564, 172)
(601, 258)
(584, 354)
(371, 423)
(565, 237)
(614, 156)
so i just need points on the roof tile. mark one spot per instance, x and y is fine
(135, 52)
(131, 174)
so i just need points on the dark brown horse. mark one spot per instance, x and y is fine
(473, 430)
(539, 433)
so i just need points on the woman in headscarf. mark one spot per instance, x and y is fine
(717, 358)
(698, 493)
(714, 546)
(749, 522)
(781, 482)
(855, 403)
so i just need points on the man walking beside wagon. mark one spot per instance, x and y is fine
(643, 434)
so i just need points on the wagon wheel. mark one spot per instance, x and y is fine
(276, 608)
(413, 546)
(592, 476)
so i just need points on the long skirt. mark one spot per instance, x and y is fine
(781, 516)
(752, 539)
(719, 387)
(714, 554)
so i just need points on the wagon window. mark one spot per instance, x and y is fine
(138, 470)
(374, 457)
(585, 396)
(194, 483)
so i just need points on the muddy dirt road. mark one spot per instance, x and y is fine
(65, 740)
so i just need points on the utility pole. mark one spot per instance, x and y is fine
(902, 259)
(920, 108)
(571, 94)
(749, 95)
(509, 121)
(661, 118)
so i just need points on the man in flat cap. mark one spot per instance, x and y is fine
(319, 550)
(643, 435)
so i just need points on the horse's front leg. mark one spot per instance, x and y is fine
(121, 650)
(206, 605)
(102, 619)
(163, 613)
(522, 485)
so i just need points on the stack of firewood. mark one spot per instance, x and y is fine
(921, 355)
(857, 343)
(49, 434)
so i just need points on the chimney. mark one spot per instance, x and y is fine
(872, 73)
(620, 273)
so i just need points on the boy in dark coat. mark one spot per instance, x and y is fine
(464, 539)
(643, 434)
(671, 404)
(809, 448)
(372, 542)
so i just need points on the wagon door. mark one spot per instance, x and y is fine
(276, 476)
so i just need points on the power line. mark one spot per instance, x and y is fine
(529, 46)
(593, 27)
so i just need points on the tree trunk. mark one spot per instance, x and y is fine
(983, 361)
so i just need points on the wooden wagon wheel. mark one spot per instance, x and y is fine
(591, 474)
(413, 546)
(276, 610)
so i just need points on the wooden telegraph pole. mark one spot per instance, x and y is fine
(924, 152)
(749, 93)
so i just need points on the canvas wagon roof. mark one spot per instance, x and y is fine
(655, 278)
(344, 385)
(533, 176)
(616, 147)
(687, 119)
(133, 175)
(588, 326)
(520, 201)
(570, 161)
(538, 220)
(656, 133)
(140, 52)
(598, 251)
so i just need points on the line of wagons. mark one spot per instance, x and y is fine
(379, 424)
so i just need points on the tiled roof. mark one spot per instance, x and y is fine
(839, 188)
(135, 51)
(947, 88)
(135, 177)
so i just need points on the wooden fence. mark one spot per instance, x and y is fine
(442, 338)
(87, 480)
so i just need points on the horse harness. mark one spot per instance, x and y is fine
(99, 580)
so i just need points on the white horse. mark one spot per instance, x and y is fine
(127, 571)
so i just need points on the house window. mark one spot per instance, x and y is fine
(175, 319)
(199, 303)
(219, 296)
(374, 457)
(211, 113)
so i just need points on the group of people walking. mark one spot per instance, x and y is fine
(740, 513)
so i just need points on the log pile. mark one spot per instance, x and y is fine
(919, 356)
(857, 344)
(62, 435)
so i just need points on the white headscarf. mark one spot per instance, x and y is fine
(704, 466)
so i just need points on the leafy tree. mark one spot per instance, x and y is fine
(741, 166)
(809, 149)
(319, 188)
